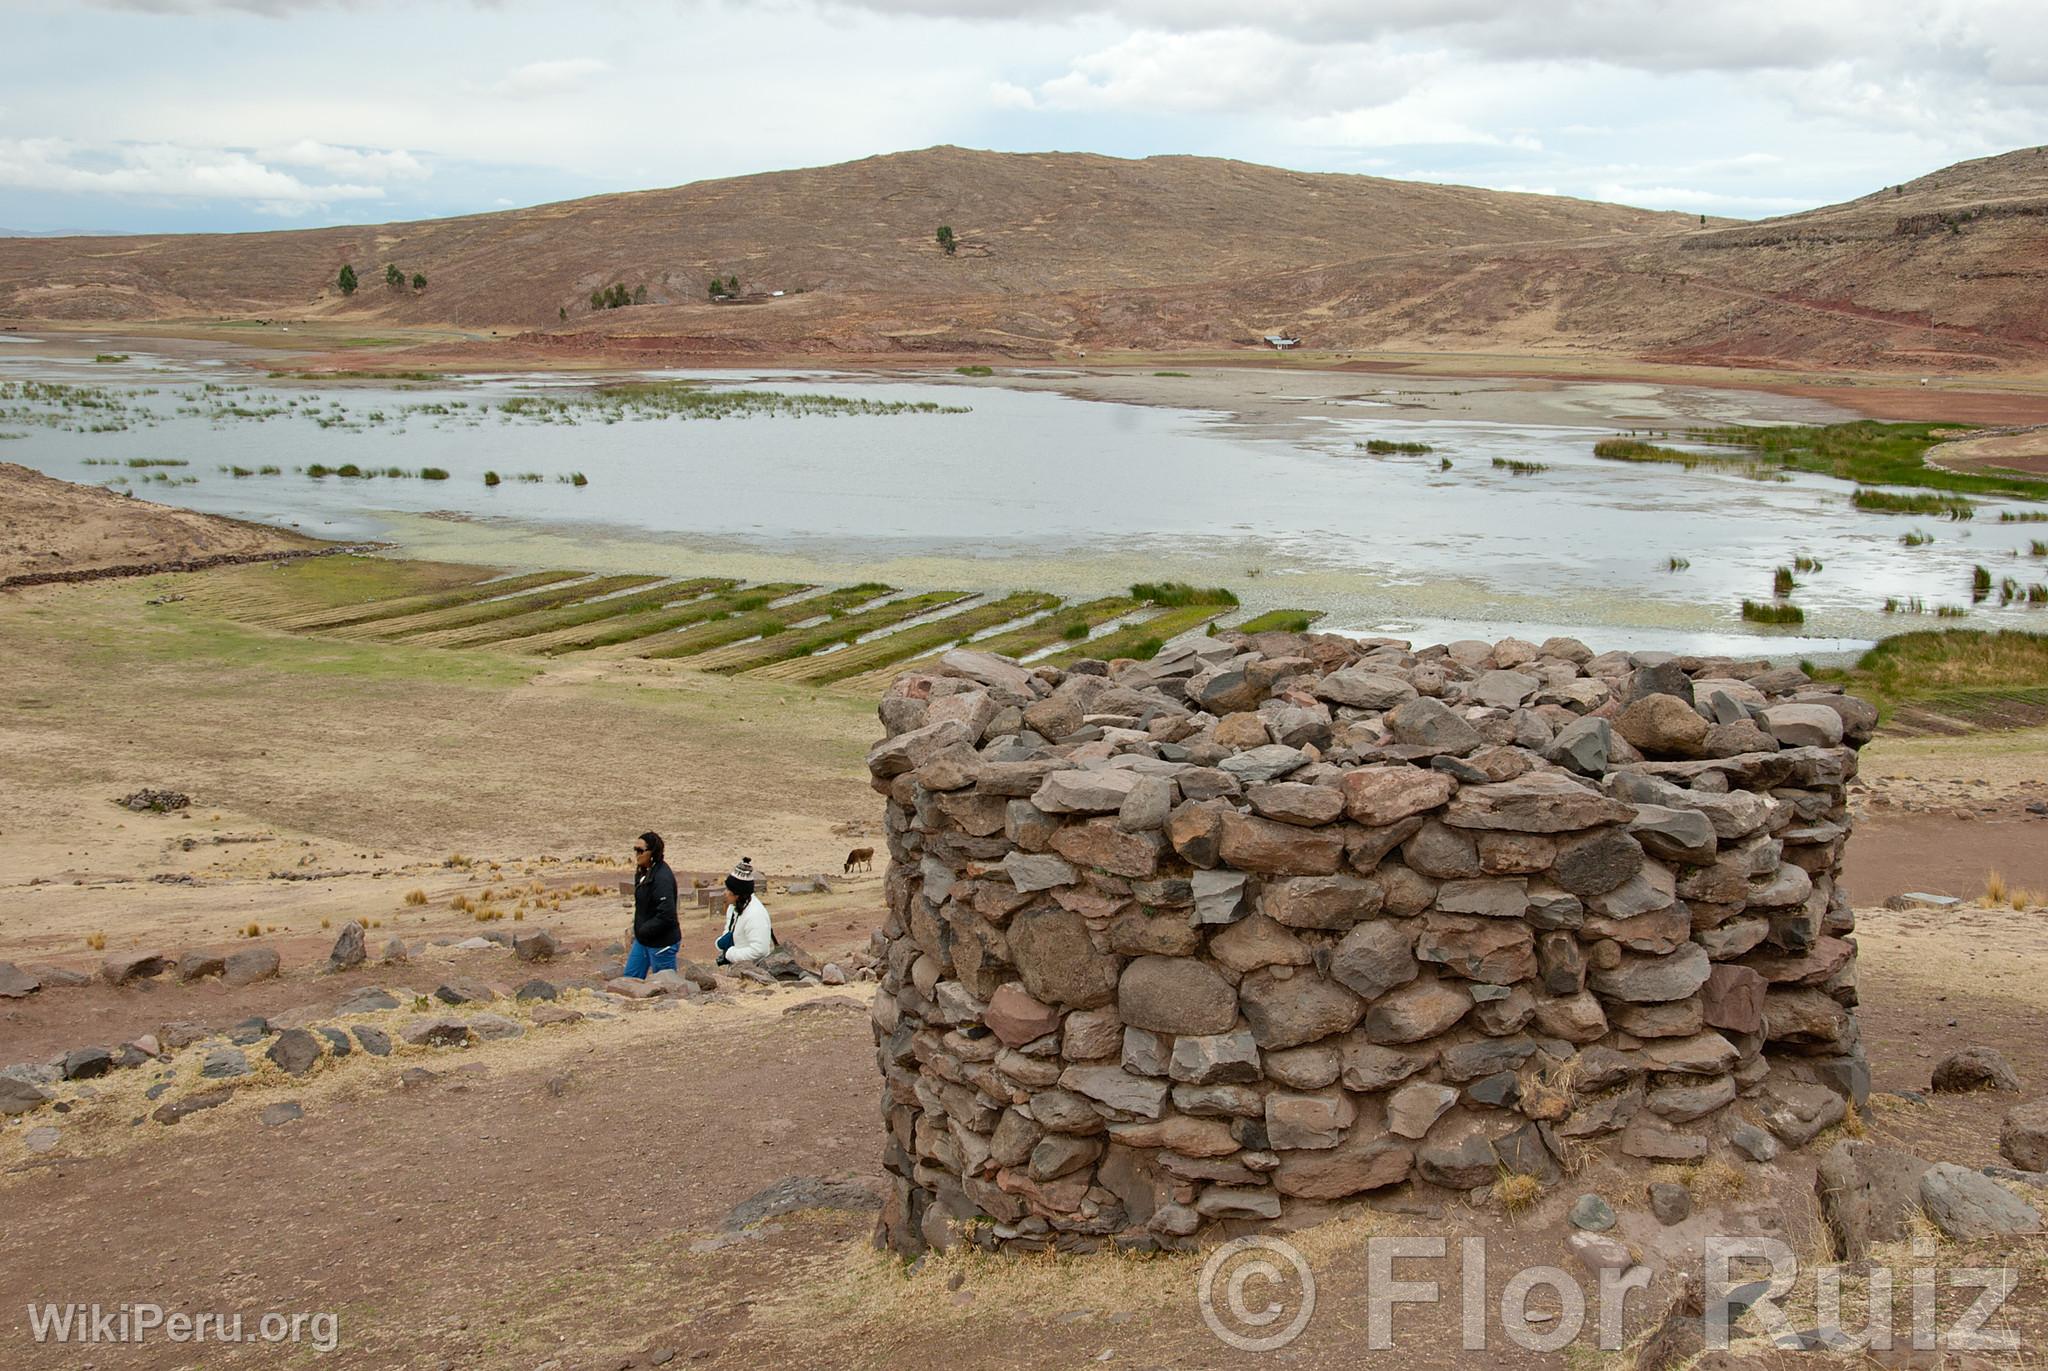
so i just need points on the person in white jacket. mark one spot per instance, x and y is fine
(748, 936)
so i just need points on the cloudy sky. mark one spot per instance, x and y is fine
(253, 114)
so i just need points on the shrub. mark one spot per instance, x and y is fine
(347, 280)
(433, 474)
(1919, 502)
(1772, 614)
(975, 369)
(1175, 594)
(491, 478)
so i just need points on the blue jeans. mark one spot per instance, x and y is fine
(641, 959)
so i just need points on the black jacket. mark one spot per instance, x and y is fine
(654, 907)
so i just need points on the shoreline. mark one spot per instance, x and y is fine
(2000, 398)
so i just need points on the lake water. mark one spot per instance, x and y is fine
(1035, 489)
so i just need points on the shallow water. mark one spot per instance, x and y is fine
(1037, 489)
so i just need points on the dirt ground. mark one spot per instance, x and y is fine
(558, 1200)
(56, 526)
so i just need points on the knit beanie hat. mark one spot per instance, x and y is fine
(745, 870)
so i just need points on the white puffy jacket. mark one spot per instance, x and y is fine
(753, 937)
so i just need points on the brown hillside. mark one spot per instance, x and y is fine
(1027, 223)
(1061, 250)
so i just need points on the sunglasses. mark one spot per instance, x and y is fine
(638, 848)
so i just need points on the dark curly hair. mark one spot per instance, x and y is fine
(655, 846)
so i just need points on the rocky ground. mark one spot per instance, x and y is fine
(547, 1190)
(564, 1182)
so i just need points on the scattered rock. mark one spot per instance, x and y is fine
(223, 1063)
(295, 1052)
(189, 1105)
(283, 1112)
(1966, 1205)
(349, 951)
(18, 1096)
(1592, 1214)
(461, 990)
(374, 1041)
(441, 1032)
(368, 1000)
(536, 989)
(196, 965)
(1597, 1252)
(84, 1063)
(1976, 1068)
(794, 1194)
(2023, 1137)
(248, 966)
(1670, 1204)
(123, 967)
(537, 946)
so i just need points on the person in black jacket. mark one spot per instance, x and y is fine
(656, 933)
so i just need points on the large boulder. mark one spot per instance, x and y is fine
(122, 967)
(2023, 1136)
(1976, 1068)
(1965, 1204)
(248, 965)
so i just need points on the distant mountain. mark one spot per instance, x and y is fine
(57, 233)
(1065, 250)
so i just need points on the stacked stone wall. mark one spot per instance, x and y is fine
(1269, 925)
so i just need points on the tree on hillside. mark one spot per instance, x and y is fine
(946, 239)
(393, 276)
(347, 279)
(419, 283)
(639, 295)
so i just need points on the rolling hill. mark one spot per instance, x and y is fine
(1060, 251)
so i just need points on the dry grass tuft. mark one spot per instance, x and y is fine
(1517, 1192)
(415, 897)
(252, 930)
(462, 904)
(1995, 892)
(96, 941)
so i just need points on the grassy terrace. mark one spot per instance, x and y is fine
(668, 593)
(628, 628)
(717, 633)
(802, 642)
(855, 636)
(416, 626)
(376, 610)
(846, 662)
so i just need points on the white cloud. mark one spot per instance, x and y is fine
(557, 76)
(1694, 198)
(55, 164)
(363, 164)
